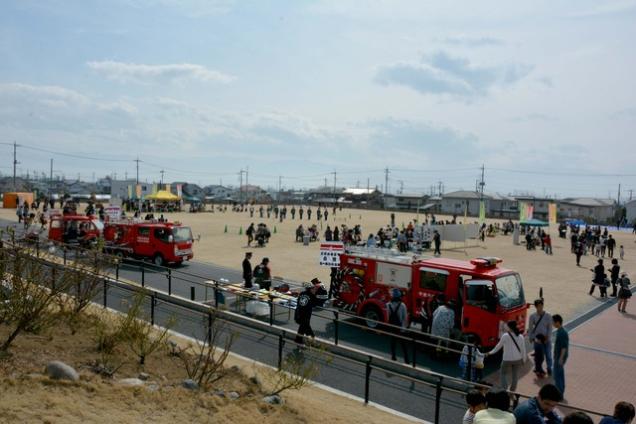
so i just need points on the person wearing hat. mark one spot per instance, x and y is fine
(304, 308)
(263, 274)
(247, 270)
(397, 313)
(322, 295)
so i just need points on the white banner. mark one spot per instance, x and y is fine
(330, 253)
(451, 232)
(112, 212)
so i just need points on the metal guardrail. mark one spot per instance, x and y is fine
(440, 382)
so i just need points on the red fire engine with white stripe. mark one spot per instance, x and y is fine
(485, 295)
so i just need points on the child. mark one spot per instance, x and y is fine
(539, 356)
(621, 251)
(477, 363)
(476, 402)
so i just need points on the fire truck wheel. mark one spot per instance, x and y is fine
(158, 260)
(372, 315)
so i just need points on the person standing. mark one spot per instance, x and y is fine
(301, 211)
(578, 251)
(621, 252)
(624, 293)
(614, 273)
(250, 234)
(309, 213)
(514, 355)
(304, 309)
(247, 270)
(443, 322)
(437, 241)
(328, 234)
(540, 409)
(263, 274)
(540, 335)
(599, 277)
(561, 352)
(396, 310)
(326, 213)
(611, 244)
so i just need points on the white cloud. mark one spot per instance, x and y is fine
(143, 73)
(441, 73)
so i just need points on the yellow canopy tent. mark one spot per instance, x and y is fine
(162, 196)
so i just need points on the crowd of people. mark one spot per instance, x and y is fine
(493, 406)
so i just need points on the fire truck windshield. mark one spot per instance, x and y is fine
(510, 291)
(182, 234)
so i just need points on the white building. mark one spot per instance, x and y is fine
(630, 209)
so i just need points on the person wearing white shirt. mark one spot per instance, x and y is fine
(514, 355)
(497, 412)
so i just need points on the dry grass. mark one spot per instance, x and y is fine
(27, 395)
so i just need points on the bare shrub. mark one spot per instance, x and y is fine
(140, 335)
(203, 361)
(297, 370)
(26, 302)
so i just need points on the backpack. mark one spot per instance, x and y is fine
(394, 317)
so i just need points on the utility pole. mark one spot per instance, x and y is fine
(162, 172)
(619, 194)
(334, 186)
(368, 186)
(280, 185)
(137, 160)
(401, 186)
(439, 188)
(51, 181)
(386, 180)
(241, 185)
(630, 193)
(247, 172)
(15, 163)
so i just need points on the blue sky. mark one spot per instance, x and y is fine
(542, 93)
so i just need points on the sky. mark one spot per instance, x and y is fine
(541, 93)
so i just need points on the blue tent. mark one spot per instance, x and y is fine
(575, 222)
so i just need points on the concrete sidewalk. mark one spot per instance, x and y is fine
(601, 367)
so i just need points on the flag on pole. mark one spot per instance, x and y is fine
(522, 211)
(482, 212)
(155, 188)
(178, 190)
(529, 211)
(129, 192)
(138, 191)
(552, 213)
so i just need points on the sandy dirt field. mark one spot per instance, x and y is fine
(564, 284)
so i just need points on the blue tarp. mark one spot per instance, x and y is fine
(534, 223)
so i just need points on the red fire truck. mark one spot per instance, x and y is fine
(485, 295)
(163, 242)
(71, 229)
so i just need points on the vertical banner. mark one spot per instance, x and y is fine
(168, 188)
(179, 190)
(482, 212)
(155, 188)
(138, 191)
(529, 211)
(129, 192)
(552, 213)
(522, 211)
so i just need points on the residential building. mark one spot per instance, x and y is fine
(590, 210)
(463, 202)
(630, 209)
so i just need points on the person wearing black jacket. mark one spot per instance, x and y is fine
(247, 270)
(599, 278)
(614, 273)
(315, 294)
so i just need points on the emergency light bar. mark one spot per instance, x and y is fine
(486, 262)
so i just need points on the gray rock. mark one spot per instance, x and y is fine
(190, 384)
(233, 395)
(143, 376)
(219, 393)
(132, 382)
(58, 370)
(273, 400)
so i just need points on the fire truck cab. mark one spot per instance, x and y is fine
(485, 295)
(70, 229)
(162, 242)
